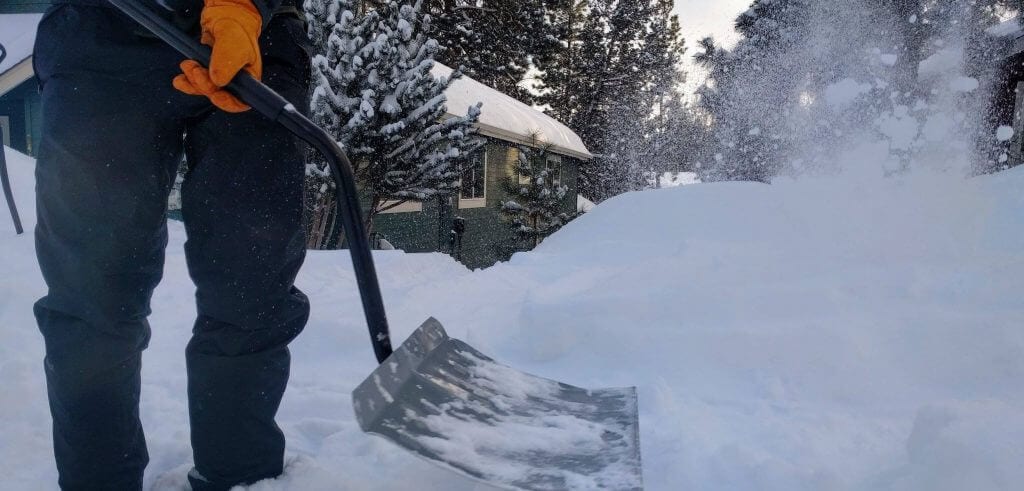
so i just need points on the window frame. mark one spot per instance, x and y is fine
(476, 201)
(554, 161)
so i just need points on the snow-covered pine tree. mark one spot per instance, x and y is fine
(755, 88)
(660, 96)
(616, 61)
(493, 41)
(535, 208)
(374, 92)
(564, 80)
(454, 30)
(919, 23)
(805, 76)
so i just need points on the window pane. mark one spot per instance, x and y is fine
(554, 164)
(474, 176)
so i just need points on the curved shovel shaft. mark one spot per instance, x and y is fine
(270, 104)
(5, 180)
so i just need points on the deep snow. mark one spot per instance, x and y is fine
(842, 333)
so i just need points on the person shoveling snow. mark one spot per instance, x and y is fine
(114, 134)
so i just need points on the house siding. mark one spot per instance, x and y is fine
(430, 229)
(488, 237)
(23, 110)
(23, 6)
(486, 231)
(420, 231)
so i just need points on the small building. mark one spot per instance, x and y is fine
(1007, 103)
(469, 226)
(20, 112)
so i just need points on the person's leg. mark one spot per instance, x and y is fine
(105, 168)
(242, 206)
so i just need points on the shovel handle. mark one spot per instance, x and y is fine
(270, 104)
(5, 181)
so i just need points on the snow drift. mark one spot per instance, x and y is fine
(817, 334)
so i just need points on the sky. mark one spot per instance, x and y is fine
(701, 18)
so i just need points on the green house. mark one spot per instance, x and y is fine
(470, 226)
(1006, 107)
(20, 121)
(23, 6)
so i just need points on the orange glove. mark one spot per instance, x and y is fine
(232, 28)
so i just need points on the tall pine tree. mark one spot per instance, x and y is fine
(535, 208)
(496, 42)
(374, 92)
(772, 98)
(617, 63)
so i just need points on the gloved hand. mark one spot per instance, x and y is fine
(232, 28)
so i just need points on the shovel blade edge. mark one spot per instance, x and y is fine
(446, 402)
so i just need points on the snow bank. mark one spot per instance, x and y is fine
(816, 334)
(583, 204)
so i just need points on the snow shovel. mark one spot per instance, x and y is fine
(5, 180)
(437, 396)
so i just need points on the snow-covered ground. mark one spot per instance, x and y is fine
(834, 334)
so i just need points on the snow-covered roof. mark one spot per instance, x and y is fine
(506, 118)
(17, 34)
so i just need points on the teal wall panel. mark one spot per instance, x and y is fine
(22, 108)
(23, 6)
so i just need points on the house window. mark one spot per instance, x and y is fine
(554, 164)
(474, 181)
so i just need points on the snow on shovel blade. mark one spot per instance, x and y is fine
(443, 400)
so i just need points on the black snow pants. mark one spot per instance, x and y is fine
(114, 132)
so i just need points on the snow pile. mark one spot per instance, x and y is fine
(813, 334)
(583, 204)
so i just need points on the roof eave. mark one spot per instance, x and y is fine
(501, 134)
(512, 137)
(16, 75)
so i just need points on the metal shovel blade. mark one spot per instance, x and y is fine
(445, 401)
